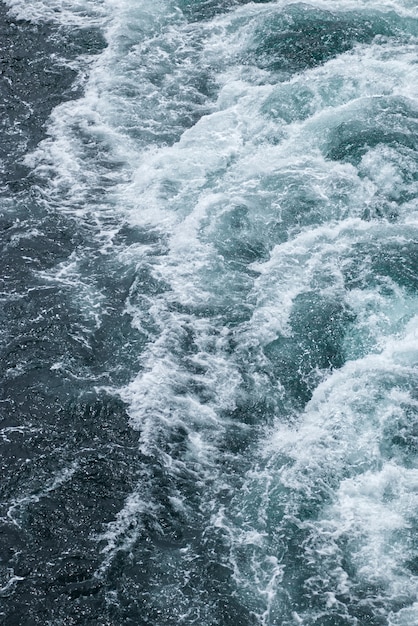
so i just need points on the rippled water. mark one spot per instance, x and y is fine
(209, 230)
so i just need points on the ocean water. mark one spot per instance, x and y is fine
(209, 313)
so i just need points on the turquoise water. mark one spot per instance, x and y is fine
(242, 179)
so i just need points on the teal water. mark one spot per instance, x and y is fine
(240, 184)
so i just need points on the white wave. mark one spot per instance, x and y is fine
(240, 167)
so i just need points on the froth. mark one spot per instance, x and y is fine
(269, 295)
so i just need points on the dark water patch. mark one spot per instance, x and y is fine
(354, 140)
(201, 593)
(228, 313)
(291, 103)
(34, 78)
(380, 209)
(316, 345)
(58, 511)
(43, 329)
(128, 235)
(250, 411)
(116, 346)
(301, 37)
(68, 456)
(33, 240)
(241, 252)
(400, 437)
(67, 466)
(201, 10)
(236, 240)
(392, 122)
(373, 264)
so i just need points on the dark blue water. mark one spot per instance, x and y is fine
(209, 300)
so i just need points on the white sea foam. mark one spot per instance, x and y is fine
(65, 12)
(238, 181)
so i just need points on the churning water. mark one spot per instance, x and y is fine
(209, 321)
